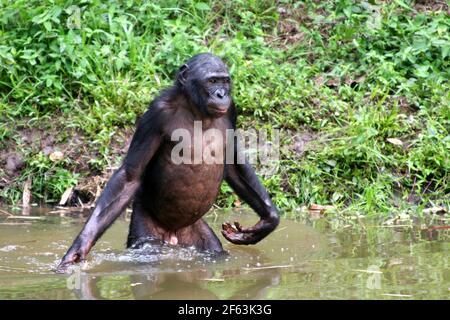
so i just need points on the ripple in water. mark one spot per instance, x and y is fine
(150, 257)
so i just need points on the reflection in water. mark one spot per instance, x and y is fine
(172, 285)
(298, 261)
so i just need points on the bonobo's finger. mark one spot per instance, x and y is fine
(63, 265)
(226, 226)
(241, 229)
(238, 226)
(232, 237)
(227, 230)
(245, 237)
(74, 255)
(239, 238)
(67, 261)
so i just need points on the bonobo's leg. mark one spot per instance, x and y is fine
(144, 229)
(199, 235)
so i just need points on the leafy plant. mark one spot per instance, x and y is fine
(357, 74)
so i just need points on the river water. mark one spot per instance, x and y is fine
(300, 260)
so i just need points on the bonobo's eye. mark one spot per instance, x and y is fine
(212, 80)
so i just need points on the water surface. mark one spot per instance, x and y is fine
(300, 260)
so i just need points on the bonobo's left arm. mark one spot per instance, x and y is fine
(245, 183)
(243, 180)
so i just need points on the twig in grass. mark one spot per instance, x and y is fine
(5, 213)
(25, 217)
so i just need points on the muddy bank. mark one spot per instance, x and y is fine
(57, 148)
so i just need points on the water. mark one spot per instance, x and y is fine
(305, 260)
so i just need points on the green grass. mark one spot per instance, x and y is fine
(352, 73)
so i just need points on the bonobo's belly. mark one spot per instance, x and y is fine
(179, 195)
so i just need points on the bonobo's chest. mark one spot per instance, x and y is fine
(200, 145)
(192, 152)
(186, 175)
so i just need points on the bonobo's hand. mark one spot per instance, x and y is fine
(77, 253)
(238, 235)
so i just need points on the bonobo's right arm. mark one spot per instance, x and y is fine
(121, 187)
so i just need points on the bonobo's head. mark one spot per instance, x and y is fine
(206, 82)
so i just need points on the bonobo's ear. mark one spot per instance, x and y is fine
(182, 74)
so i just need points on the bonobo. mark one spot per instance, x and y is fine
(170, 199)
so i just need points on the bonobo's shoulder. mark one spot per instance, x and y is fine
(167, 101)
(162, 106)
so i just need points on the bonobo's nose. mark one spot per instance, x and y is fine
(220, 93)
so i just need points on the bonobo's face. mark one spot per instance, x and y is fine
(206, 81)
(216, 91)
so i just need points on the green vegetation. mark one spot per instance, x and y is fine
(369, 81)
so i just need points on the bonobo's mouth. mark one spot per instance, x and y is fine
(219, 110)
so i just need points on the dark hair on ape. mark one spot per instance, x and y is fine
(193, 71)
(198, 66)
